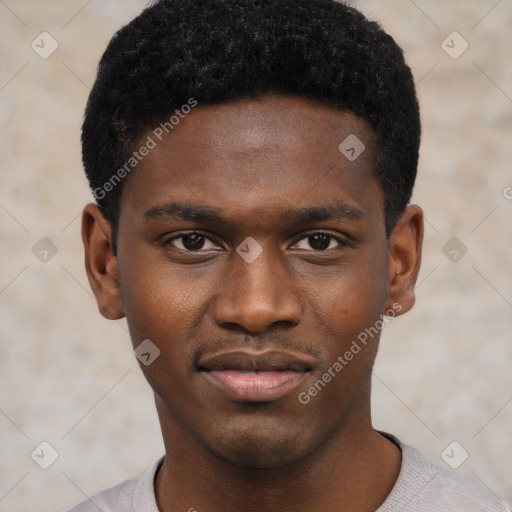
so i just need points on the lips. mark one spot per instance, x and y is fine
(256, 377)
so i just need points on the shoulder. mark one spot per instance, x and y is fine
(133, 495)
(424, 486)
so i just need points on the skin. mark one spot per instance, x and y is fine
(253, 161)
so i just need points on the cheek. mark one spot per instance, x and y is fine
(348, 308)
(166, 307)
(348, 311)
(163, 303)
(350, 299)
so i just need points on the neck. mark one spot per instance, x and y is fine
(355, 469)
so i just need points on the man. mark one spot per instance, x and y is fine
(253, 162)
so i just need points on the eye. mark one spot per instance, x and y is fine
(320, 241)
(194, 241)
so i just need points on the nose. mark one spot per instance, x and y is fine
(257, 295)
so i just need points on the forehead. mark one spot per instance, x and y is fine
(253, 157)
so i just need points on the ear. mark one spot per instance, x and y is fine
(405, 244)
(100, 263)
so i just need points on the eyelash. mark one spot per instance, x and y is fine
(342, 243)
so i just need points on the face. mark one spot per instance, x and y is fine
(252, 252)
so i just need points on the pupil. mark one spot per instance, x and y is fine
(193, 242)
(319, 241)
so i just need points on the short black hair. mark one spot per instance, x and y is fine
(215, 51)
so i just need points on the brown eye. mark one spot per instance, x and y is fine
(319, 242)
(191, 242)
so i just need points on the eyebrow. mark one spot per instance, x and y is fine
(337, 210)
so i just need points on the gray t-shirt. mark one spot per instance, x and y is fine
(421, 487)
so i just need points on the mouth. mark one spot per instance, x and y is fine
(256, 377)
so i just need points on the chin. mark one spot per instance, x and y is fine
(255, 456)
(259, 448)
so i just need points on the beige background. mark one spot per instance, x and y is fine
(69, 376)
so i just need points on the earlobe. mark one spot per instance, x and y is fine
(405, 245)
(100, 263)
